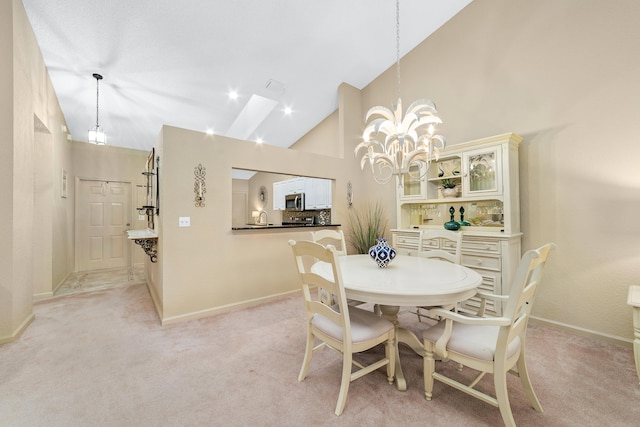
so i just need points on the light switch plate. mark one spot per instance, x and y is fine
(141, 218)
(184, 221)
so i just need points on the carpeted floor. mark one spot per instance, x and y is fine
(103, 359)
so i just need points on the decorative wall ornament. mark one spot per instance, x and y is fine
(63, 183)
(263, 195)
(349, 194)
(199, 185)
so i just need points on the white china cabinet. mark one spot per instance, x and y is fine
(486, 202)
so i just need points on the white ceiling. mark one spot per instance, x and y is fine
(174, 62)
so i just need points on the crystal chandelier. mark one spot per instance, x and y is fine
(409, 144)
(96, 133)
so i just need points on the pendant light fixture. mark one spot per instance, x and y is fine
(96, 133)
(409, 143)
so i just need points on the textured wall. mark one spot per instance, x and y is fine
(562, 74)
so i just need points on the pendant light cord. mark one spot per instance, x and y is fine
(398, 47)
(97, 100)
(98, 77)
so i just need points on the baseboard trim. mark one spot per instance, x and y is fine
(614, 339)
(156, 301)
(16, 334)
(55, 288)
(226, 308)
(43, 295)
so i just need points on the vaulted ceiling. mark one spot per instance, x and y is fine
(175, 62)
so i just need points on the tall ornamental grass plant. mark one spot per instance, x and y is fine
(366, 225)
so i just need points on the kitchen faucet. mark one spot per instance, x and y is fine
(266, 217)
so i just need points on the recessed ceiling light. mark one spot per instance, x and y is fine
(259, 141)
(209, 131)
(287, 111)
(233, 94)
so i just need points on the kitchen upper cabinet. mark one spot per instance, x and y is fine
(295, 185)
(317, 192)
(278, 195)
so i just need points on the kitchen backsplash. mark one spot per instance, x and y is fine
(322, 216)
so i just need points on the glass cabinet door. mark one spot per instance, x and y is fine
(412, 187)
(483, 172)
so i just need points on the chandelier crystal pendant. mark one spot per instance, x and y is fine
(96, 133)
(395, 145)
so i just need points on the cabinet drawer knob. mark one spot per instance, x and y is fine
(479, 261)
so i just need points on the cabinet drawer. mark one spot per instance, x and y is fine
(407, 252)
(483, 262)
(431, 243)
(477, 244)
(405, 240)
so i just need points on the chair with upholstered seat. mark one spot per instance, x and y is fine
(493, 345)
(448, 247)
(336, 238)
(341, 327)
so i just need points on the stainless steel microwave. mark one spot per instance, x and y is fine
(294, 202)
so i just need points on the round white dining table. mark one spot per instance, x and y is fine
(408, 281)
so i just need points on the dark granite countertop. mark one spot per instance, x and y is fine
(280, 226)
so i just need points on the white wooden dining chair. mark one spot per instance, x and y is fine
(328, 236)
(336, 238)
(445, 245)
(489, 344)
(341, 327)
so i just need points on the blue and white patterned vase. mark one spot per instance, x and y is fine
(382, 253)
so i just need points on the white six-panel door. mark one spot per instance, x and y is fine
(102, 218)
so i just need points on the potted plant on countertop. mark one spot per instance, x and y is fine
(449, 188)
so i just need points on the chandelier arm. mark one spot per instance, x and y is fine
(422, 104)
(382, 170)
(379, 110)
(413, 126)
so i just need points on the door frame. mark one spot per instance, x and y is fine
(76, 243)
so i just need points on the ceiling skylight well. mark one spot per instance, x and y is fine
(253, 113)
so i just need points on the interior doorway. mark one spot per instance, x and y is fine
(103, 214)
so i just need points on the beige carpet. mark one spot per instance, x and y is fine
(103, 359)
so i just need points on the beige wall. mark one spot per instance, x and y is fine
(28, 99)
(7, 326)
(207, 267)
(563, 74)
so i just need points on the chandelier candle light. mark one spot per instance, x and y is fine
(96, 134)
(409, 144)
